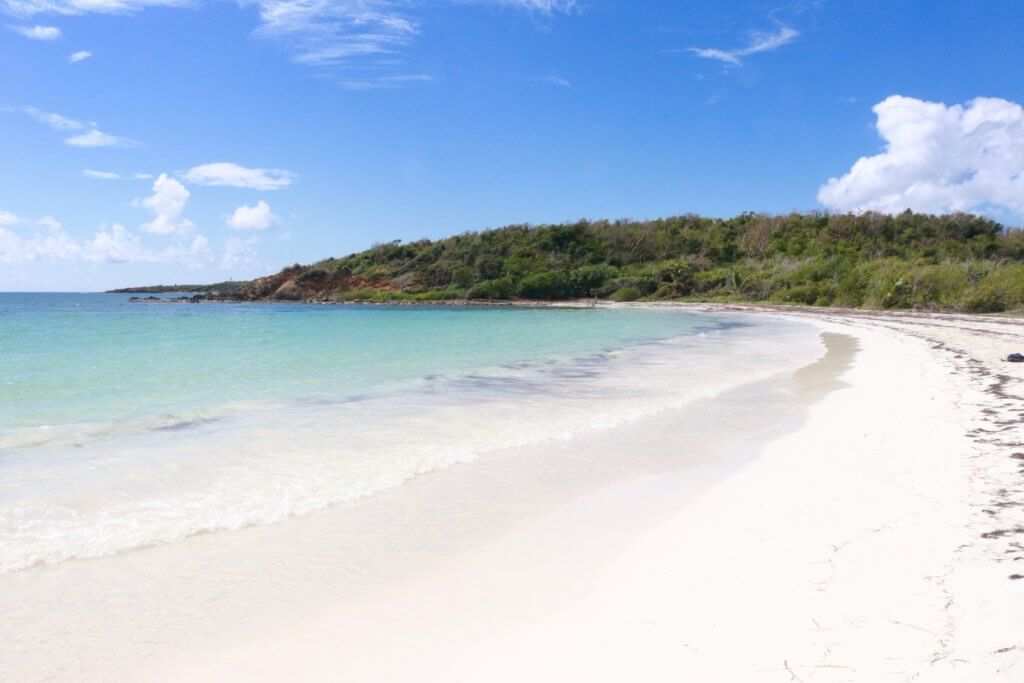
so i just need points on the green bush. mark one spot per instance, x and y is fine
(587, 280)
(363, 294)
(544, 285)
(626, 294)
(806, 294)
(311, 275)
(1001, 289)
(502, 288)
(464, 276)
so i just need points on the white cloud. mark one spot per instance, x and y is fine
(91, 137)
(52, 245)
(55, 121)
(938, 158)
(240, 253)
(363, 36)
(258, 217)
(759, 42)
(114, 245)
(39, 32)
(198, 251)
(79, 56)
(101, 175)
(97, 138)
(8, 218)
(551, 79)
(332, 32)
(28, 8)
(167, 203)
(232, 175)
(119, 245)
(383, 82)
(542, 6)
(111, 175)
(50, 223)
(49, 246)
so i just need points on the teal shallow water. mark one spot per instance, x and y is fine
(81, 358)
(126, 425)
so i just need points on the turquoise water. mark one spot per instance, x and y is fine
(81, 358)
(124, 425)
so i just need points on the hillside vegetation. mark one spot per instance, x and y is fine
(957, 262)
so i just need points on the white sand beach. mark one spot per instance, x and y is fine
(878, 540)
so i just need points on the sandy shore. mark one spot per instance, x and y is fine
(882, 539)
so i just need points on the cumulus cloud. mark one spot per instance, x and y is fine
(46, 33)
(49, 246)
(240, 253)
(167, 204)
(119, 245)
(115, 244)
(938, 158)
(8, 218)
(226, 174)
(759, 42)
(258, 217)
(79, 56)
(52, 245)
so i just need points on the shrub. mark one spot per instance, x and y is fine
(361, 294)
(544, 285)
(311, 275)
(587, 280)
(626, 294)
(463, 277)
(502, 288)
(985, 299)
(644, 284)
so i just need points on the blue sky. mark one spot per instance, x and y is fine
(148, 141)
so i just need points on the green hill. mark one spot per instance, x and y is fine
(954, 262)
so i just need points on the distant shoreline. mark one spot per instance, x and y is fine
(698, 306)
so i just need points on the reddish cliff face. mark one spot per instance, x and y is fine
(292, 286)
